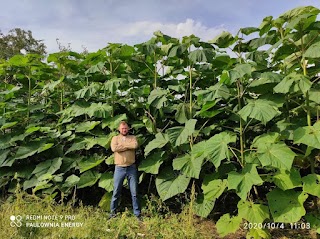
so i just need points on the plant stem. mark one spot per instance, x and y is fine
(155, 70)
(242, 158)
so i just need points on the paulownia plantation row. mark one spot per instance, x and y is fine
(235, 118)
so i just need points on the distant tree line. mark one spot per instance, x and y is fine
(17, 41)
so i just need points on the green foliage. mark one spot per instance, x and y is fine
(17, 39)
(242, 125)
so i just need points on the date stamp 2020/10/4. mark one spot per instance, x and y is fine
(277, 225)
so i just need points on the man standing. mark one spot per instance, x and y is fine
(123, 146)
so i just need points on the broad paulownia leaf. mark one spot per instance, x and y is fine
(182, 115)
(157, 143)
(113, 84)
(311, 184)
(152, 162)
(48, 167)
(254, 213)
(179, 135)
(213, 188)
(71, 181)
(226, 224)
(113, 122)
(217, 147)
(286, 206)
(32, 148)
(223, 40)
(170, 183)
(99, 110)
(214, 92)
(243, 182)
(202, 206)
(86, 126)
(157, 98)
(277, 155)
(308, 135)
(201, 55)
(262, 110)
(293, 82)
(88, 178)
(190, 166)
(88, 91)
(87, 163)
(285, 179)
(313, 51)
(106, 181)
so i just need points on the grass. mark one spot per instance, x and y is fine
(51, 215)
(95, 222)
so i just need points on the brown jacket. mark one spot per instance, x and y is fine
(124, 149)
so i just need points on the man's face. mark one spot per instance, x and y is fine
(123, 129)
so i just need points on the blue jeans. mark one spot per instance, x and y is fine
(119, 175)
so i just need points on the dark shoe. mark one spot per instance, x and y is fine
(111, 215)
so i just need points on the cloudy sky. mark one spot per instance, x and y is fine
(94, 23)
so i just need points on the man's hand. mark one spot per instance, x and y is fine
(119, 148)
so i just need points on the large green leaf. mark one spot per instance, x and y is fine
(266, 78)
(179, 135)
(170, 183)
(217, 147)
(314, 95)
(157, 143)
(31, 149)
(99, 110)
(262, 110)
(214, 92)
(313, 51)
(113, 122)
(182, 114)
(86, 126)
(47, 168)
(113, 84)
(157, 98)
(106, 201)
(223, 40)
(201, 55)
(87, 163)
(87, 143)
(189, 165)
(286, 206)
(285, 179)
(88, 91)
(314, 221)
(71, 181)
(243, 182)
(152, 163)
(293, 82)
(106, 181)
(88, 178)
(311, 184)
(256, 233)
(213, 188)
(254, 213)
(226, 224)
(277, 155)
(203, 207)
(3, 156)
(308, 135)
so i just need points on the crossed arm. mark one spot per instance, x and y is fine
(120, 146)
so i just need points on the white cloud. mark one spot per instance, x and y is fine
(97, 37)
(186, 28)
(144, 29)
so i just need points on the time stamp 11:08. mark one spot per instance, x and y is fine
(277, 225)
